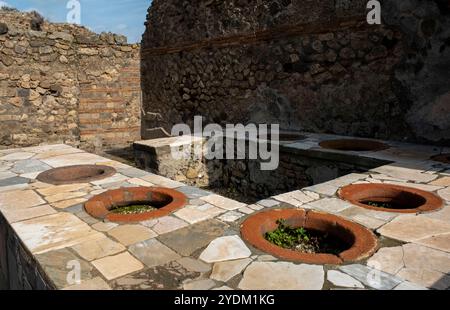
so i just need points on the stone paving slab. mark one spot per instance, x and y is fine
(104, 227)
(7, 175)
(17, 187)
(441, 215)
(20, 200)
(196, 285)
(165, 224)
(225, 271)
(196, 214)
(85, 217)
(282, 275)
(267, 203)
(169, 276)
(409, 286)
(113, 267)
(425, 187)
(161, 181)
(194, 265)
(13, 181)
(297, 198)
(140, 182)
(14, 216)
(445, 193)
(99, 248)
(187, 240)
(153, 253)
(74, 159)
(428, 278)
(231, 216)
(419, 264)
(193, 192)
(371, 277)
(362, 217)
(426, 266)
(389, 259)
(129, 234)
(116, 178)
(60, 189)
(63, 196)
(323, 189)
(56, 152)
(133, 172)
(28, 166)
(439, 242)
(406, 173)
(411, 228)
(330, 205)
(53, 232)
(68, 203)
(445, 181)
(223, 202)
(31, 175)
(341, 279)
(57, 264)
(225, 248)
(17, 156)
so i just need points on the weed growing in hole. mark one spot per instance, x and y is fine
(305, 241)
(133, 209)
(285, 236)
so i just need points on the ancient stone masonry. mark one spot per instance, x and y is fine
(310, 66)
(66, 84)
(18, 269)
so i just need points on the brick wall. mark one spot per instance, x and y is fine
(109, 113)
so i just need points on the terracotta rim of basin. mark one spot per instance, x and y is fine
(414, 200)
(76, 174)
(170, 200)
(443, 158)
(362, 242)
(355, 145)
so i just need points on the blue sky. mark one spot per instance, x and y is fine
(119, 16)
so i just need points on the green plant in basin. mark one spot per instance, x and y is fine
(302, 240)
(133, 209)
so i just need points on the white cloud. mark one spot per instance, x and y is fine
(31, 9)
(121, 26)
(3, 3)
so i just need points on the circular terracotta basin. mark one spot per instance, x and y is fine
(76, 174)
(401, 199)
(356, 145)
(361, 242)
(443, 158)
(165, 200)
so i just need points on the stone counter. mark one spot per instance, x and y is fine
(199, 246)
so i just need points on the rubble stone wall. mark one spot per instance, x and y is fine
(18, 269)
(65, 84)
(305, 64)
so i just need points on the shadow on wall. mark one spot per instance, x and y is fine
(271, 107)
(315, 74)
(423, 76)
